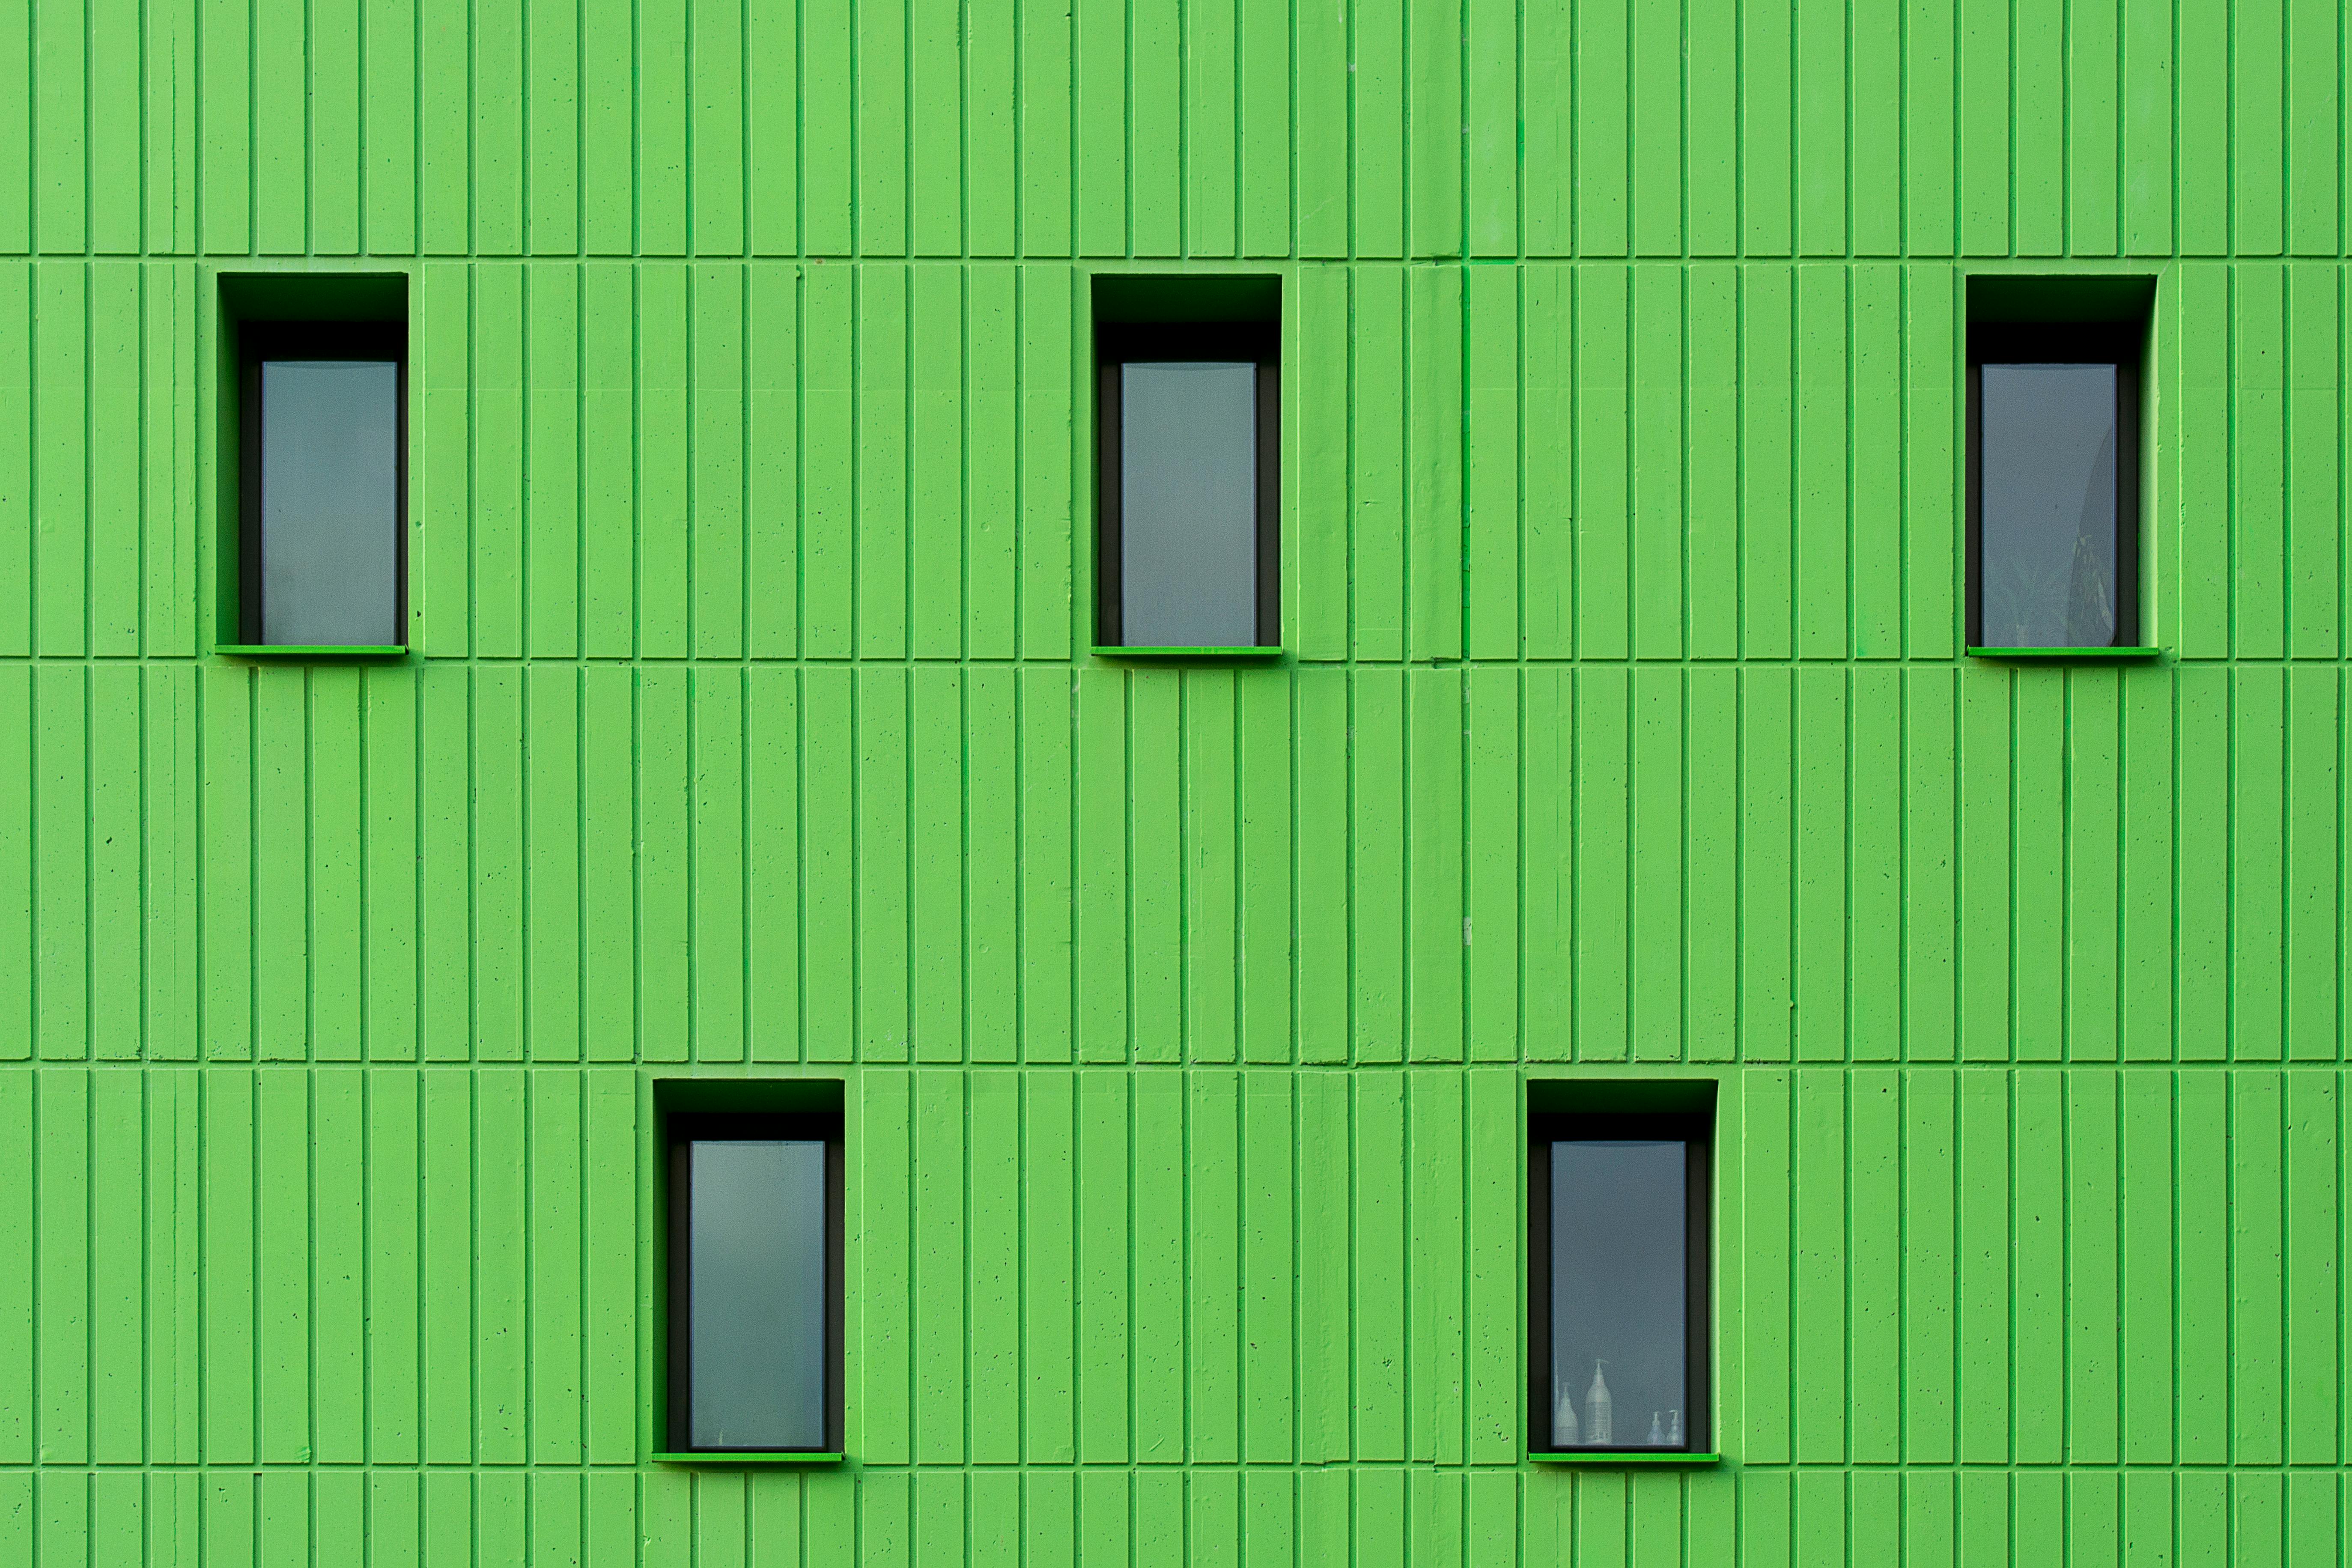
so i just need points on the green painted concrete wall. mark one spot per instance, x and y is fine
(1185, 1015)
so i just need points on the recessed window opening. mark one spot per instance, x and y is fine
(755, 1283)
(1619, 1307)
(2053, 462)
(322, 484)
(1188, 457)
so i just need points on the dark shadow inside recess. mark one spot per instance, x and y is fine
(750, 1198)
(1188, 461)
(2055, 438)
(1620, 1266)
(311, 546)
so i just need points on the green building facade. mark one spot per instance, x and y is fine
(1186, 1014)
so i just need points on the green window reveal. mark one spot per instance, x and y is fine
(1618, 1273)
(755, 1284)
(322, 485)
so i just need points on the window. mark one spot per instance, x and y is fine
(2053, 412)
(1189, 458)
(1618, 1278)
(323, 482)
(755, 1283)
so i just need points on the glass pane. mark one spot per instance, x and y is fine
(1187, 504)
(330, 472)
(755, 1289)
(2049, 493)
(1618, 1294)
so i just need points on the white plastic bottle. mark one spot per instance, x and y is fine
(1564, 1414)
(1599, 1427)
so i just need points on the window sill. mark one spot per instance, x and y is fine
(292, 651)
(1602, 1458)
(2067, 655)
(730, 1460)
(1177, 653)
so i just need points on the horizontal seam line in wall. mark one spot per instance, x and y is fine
(799, 1070)
(1236, 263)
(951, 1465)
(1045, 661)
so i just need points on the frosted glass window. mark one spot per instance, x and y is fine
(330, 502)
(756, 1293)
(2048, 441)
(1620, 1294)
(1187, 504)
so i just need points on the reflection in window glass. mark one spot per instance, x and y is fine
(330, 502)
(1619, 1293)
(2048, 496)
(755, 1289)
(1187, 504)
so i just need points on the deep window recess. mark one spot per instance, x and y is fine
(322, 481)
(755, 1283)
(1189, 461)
(2053, 413)
(1618, 1283)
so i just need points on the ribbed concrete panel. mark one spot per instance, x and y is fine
(308, 1292)
(1461, 128)
(1184, 1014)
(1625, 726)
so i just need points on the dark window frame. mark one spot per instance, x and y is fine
(271, 339)
(1117, 343)
(1697, 1132)
(2120, 343)
(686, 1127)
